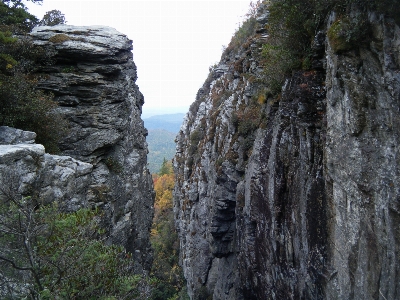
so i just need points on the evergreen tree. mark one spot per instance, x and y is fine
(166, 168)
(52, 18)
(14, 14)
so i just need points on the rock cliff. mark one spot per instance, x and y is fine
(103, 157)
(294, 197)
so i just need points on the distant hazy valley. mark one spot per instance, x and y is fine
(162, 132)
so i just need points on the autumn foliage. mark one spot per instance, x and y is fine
(166, 270)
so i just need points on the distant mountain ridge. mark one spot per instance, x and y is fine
(168, 122)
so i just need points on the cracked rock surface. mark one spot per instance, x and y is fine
(295, 197)
(103, 159)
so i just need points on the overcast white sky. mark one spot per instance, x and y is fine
(174, 42)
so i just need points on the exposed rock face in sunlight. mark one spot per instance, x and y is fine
(294, 197)
(103, 162)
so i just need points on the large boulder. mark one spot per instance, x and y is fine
(26, 170)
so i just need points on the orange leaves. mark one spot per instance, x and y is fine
(163, 187)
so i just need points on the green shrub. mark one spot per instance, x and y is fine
(69, 69)
(337, 36)
(7, 62)
(196, 136)
(6, 37)
(279, 61)
(54, 255)
(246, 121)
(246, 29)
(243, 33)
(290, 26)
(23, 107)
(193, 148)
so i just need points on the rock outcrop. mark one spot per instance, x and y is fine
(294, 197)
(103, 157)
(27, 170)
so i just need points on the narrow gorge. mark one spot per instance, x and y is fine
(286, 168)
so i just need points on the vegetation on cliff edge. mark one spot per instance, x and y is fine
(21, 104)
(48, 254)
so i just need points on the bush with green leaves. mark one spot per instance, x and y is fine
(246, 28)
(24, 107)
(246, 120)
(348, 33)
(47, 254)
(243, 33)
(279, 61)
(292, 26)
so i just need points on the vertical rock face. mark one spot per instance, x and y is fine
(93, 80)
(362, 166)
(293, 197)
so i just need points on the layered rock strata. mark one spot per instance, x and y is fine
(294, 197)
(103, 157)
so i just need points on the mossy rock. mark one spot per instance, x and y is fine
(338, 36)
(349, 33)
(59, 38)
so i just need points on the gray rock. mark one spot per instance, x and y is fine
(362, 169)
(12, 136)
(27, 171)
(103, 160)
(107, 131)
(305, 205)
(12, 153)
(84, 43)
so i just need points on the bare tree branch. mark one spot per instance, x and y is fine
(14, 265)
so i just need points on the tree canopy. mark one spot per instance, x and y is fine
(53, 17)
(13, 13)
